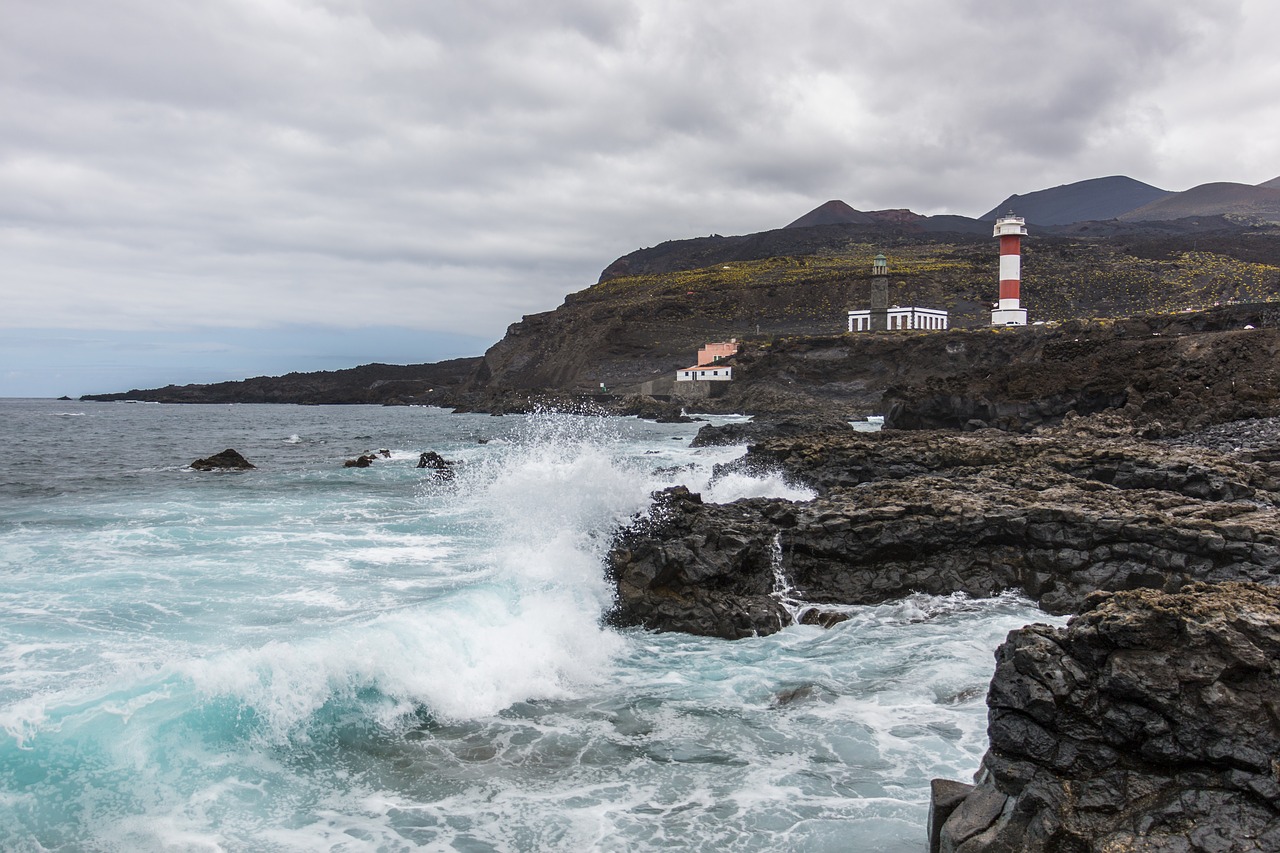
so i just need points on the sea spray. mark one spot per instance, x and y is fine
(783, 590)
(539, 511)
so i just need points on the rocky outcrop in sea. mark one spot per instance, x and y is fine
(228, 460)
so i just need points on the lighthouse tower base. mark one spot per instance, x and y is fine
(1009, 317)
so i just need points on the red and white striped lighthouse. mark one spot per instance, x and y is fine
(1010, 229)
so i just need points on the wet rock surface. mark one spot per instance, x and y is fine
(1149, 723)
(766, 427)
(440, 468)
(227, 460)
(697, 568)
(1057, 516)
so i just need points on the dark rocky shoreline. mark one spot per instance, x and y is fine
(1057, 515)
(1151, 723)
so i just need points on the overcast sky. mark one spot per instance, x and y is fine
(192, 192)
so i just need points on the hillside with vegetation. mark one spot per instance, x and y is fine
(652, 309)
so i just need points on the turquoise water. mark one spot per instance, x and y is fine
(307, 657)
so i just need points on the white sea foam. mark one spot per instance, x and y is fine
(423, 553)
(732, 487)
(695, 468)
(547, 505)
(315, 597)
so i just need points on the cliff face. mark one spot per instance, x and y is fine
(785, 294)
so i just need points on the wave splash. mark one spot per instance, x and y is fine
(540, 512)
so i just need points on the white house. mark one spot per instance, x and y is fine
(902, 318)
(709, 372)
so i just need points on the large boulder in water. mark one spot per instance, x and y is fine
(440, 467)
(227, 460)
(683, 568)
(1151, 722)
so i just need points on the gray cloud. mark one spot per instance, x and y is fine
(453, 165)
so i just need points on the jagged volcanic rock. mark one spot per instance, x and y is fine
(767, 427)
(227, 460)
(1171, 374)
(440, 468)
(677, 572)
(1056, 516)
(1152, 723)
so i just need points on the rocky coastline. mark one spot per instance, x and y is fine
(1167, 549)
(1057, 515)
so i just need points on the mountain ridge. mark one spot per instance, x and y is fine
(834, 212)
(1245, 202)
(1081, 201)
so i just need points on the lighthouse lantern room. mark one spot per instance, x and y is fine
(1009, 312)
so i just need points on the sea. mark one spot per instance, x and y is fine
(309, 657)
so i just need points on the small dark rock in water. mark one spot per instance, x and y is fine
(363, 461)
(227, 460)
(823, 618)
(793, 694)
(384, 453)
(64, 397)
(442, 467)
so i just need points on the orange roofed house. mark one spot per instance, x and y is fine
(707, 368)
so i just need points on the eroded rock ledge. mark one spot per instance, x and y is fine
(1151, 722)
(1057, 515)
